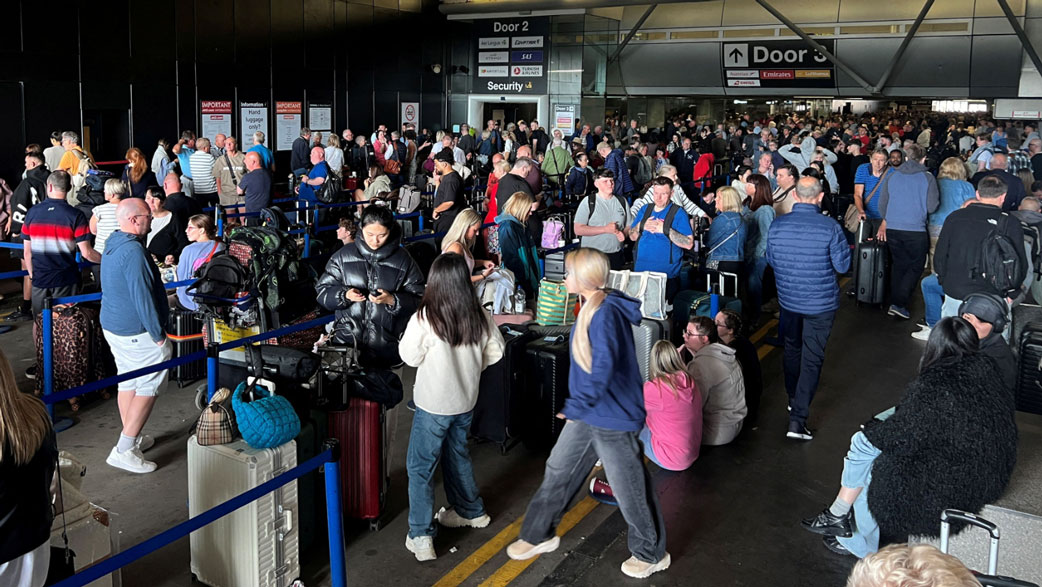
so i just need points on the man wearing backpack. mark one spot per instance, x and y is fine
(980, 249)
(662, 232)
(601, 218)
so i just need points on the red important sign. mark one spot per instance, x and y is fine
(289, 107)
(216, 106)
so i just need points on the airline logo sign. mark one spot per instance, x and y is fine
(778, 64)
(526, 71)
(511, 56)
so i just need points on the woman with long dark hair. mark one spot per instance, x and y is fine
(760, 220)
(28, 456)
(450, 340)
(950, 443)
(373, 285)
(605, 414)
(137, 174)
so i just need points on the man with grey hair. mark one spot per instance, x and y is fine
(134, 310)
(267, 159)
(70, 161)
(557, 162)
(204, 186)
(806, 250)
(906, 196)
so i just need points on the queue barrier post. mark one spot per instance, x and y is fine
(48, 351)
(307, 244)
(219, 216)
(213, 363)
(335, 516)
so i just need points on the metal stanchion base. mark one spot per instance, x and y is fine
(62, 424)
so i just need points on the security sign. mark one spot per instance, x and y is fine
(510, 55)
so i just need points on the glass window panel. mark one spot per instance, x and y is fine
(871, 29)
(741, 33)
(944, 27)
(693, 35)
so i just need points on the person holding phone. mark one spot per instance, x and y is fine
(374, 286)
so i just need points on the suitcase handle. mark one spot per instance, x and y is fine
(974, 520)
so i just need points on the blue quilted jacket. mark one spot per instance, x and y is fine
(806, 250)
(617, 163)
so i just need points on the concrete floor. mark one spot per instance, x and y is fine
(732, 518)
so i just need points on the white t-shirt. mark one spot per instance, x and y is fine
(107, 224)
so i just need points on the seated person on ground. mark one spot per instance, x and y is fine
(950, 443)
(718, 376)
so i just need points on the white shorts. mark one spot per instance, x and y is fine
(137, 352)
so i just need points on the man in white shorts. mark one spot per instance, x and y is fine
(134, 312)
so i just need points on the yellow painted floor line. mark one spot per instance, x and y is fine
(764, 350)
(510, 571)
(481, 556)
(763, 331)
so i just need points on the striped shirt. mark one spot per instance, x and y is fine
(55, 229)
(107, 224)
(203, 181)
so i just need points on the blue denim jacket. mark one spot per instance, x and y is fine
(727, 247)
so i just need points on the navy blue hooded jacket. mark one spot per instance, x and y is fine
(133, 298)
(806, 250)
(612, 395)
(617, 163)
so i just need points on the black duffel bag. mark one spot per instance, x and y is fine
(280, 363)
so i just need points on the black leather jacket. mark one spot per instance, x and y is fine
(376, 327)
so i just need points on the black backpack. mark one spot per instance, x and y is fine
(331, 191)
(274, 218)
(96, 180)
(220, 280)
(88, 196)
(998, 260)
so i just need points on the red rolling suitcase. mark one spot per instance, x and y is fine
(361, 428)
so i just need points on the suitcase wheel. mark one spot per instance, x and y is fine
(200, 397)
(375, 525)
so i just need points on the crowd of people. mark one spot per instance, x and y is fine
(772, 201)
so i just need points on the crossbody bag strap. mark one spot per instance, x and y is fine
(719, 244)
(231, 169)
(876, 188)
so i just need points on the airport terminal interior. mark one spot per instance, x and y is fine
(773, 184)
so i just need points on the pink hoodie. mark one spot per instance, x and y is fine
(675, 422)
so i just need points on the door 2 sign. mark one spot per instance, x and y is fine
(778, 64)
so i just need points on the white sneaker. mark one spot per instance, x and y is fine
(638, 569)
(144, 442)
(521, 550)
(422, 547)
(132, 461)
(922, 334)
(450, 519)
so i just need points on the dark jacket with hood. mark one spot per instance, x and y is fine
(952, 443)
(31, 191)
(612, 395)
(617, 164)
(376, 327)
(518, 253)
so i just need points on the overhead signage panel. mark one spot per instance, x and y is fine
(778, 64)
(511, 56)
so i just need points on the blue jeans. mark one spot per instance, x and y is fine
(756, 268)
(645, 439)
(857, 472)
(570, 463)
(933, 296)
(804, 337)
(431, 438)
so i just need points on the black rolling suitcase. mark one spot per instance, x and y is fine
(546, 387)
(499, 413)
(870, 277)
(185, 330)
(1029, 369)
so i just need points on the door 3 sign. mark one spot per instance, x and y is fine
(778, 64)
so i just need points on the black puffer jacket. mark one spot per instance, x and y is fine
(377, 327)
(952, 443)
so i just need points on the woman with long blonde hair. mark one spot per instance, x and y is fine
(672, 433)
(460, 240)
(517, 249)
(28, 456)
(605, 413)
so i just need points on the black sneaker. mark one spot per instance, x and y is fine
(832, 543)
(18, 316)
(30, 373)
(798, 431)
(827, 524)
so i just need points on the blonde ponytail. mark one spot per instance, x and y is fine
(590, 269)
